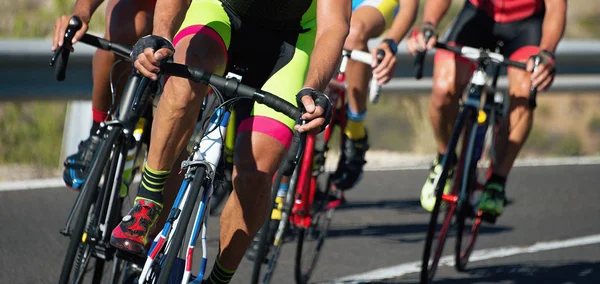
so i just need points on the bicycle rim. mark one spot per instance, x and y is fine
(89, 192)
(184, 218)
(311, 239)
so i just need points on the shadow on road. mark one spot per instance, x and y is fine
(538, 272)
(401, 229)
(412, 205)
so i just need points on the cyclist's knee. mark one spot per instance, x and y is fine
(128, 20)
(357, 38)
(444, 92)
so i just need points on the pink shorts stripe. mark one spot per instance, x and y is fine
(201, 29)
(269, 126)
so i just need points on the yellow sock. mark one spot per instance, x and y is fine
(355, 129)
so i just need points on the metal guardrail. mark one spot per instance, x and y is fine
(25, 74)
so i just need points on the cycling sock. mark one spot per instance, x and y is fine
(355, 127)
(97, 118)
(497, 181)
(152, 185)
(220, 274)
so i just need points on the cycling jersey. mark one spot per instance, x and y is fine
(504, 11)
(475, 27)
(387, 8)
(272, 11)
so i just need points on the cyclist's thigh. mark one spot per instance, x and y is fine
(521, 41)
(451, 73)
(283, 75)
(373, 16)
(128, 20)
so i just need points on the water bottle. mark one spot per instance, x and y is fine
(130, 159)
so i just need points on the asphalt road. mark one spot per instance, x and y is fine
(381, 226)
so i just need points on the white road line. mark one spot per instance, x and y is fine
(32, 184)
(420, 164)
(478, 255)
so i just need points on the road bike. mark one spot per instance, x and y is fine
(478, 125)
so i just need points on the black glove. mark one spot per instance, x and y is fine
(320, 99)
(150, 41)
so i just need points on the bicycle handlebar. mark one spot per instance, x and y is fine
(478, 54)
(231, 87)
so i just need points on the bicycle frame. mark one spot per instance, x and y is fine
(204, 158)
(307, 181)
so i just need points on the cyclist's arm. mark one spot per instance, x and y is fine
(554, 24)
(404, 20)
(86, 8)
(435, 10)
(168, 16)
(333, 17)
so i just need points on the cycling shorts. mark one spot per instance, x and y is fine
(476, 28)
(387, 8)
(274, 58)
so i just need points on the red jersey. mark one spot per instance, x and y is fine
(504, 11)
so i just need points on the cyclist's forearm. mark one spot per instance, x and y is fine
(333, 17)
(404, 20)
(86, 8)
(554, 24)
(325, 58)
(168, 16)
(435, 10)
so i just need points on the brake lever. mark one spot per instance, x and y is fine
(74, 25)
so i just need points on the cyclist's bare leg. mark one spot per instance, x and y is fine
(520, 120)
(178, 108)
(127, 20)
(450, 77)
(366, 23)
(257, 157)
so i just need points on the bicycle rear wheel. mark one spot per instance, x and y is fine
(78, 245)
(429, 261)
(311, 239)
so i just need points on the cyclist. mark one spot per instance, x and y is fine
(370, 18)
(126, 21)
(278, 48)
(527, 28)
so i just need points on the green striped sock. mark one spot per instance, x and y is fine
(153, 184)
(220, 274)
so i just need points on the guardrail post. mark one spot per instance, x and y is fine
(78, 122)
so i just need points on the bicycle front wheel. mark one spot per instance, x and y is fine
(311, 239)
(80, 246)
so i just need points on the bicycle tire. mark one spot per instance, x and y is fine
(323, 213)
(467, 212)
(88, 193)
(181, 229)
(427, 270)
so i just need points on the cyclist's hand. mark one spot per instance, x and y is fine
(543, 76)
(384, 71)
(416, 42)
(146, 60)
(60, 28)
(317, 109)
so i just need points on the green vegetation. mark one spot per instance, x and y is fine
(31, 133)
